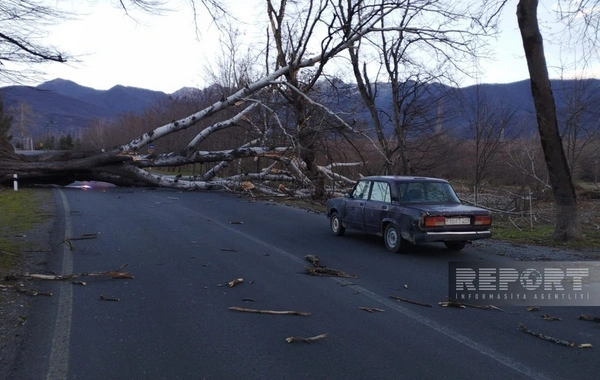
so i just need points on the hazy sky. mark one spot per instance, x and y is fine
(162, 52)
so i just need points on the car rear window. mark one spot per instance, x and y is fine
(426, 192)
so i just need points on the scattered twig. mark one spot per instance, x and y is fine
(314, 260)
(589, 318)
(348, 284)
(370, 309)
(585, 345)
(52, 277)
(546, 337)
(236, 222)
(276, 312)
(236, 281)
(305, 340)
(104, 298)
(32, 292)
(452, 304)
(482, 307)
(533, 308)
(550, 318)
(21, 320)
(228, 250)
(409, 301)
(248, 300)
(322, 271)
(82, 283)
(85, 236)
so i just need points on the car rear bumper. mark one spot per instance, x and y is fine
(451, 236)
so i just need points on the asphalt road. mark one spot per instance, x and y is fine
(172, 321)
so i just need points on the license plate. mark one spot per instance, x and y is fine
(457, 221)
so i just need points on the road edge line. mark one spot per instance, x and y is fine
(58, 366)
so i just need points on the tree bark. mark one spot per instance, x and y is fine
(567, 224)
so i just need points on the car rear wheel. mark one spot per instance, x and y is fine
(455, 245)
(392, 238)
(336, 225)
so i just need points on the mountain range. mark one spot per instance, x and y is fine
(67, 107)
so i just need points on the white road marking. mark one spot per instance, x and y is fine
(59, 352)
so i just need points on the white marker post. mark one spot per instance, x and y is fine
(16, 184)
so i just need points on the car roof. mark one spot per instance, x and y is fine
(402, 178)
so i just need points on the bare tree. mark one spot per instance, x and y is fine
(487, 126)
(578, 121)
(567, 221)
(284, 122)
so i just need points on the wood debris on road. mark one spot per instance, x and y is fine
(118, 273)
(236, 281)
(275, 312)
(550, 318)
(454, 303)
(104, 298)
(311, 339)
(370, 309)
(322, 271)
(314, 260)
(558, 341)
(589, 318)
(410, 301)
(68, 240)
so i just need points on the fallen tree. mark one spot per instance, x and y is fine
(295, 123)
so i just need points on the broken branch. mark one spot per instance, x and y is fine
(322, 271)
(370, 309)
(314, 260)
(305, 340)
(104, 298)
(546, 337)
(410, 301)
(275, 312)
(235, 282)
(589, 318)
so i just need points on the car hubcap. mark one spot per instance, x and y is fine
(335, 224)
(392, 238)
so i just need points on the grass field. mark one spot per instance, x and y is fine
(20, 213)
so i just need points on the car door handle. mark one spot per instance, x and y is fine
(384, 207)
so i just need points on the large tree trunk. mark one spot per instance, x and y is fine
(567, 225)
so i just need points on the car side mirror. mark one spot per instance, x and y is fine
(348, 195)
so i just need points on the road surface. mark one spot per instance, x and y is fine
(172, 321)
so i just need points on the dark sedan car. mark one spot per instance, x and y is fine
(409, 210)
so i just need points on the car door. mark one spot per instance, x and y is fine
(355, 205)
(376, 208)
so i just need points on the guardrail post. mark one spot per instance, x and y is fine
(16, 183)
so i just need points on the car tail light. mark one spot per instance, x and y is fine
(483, 220)
(435, 221)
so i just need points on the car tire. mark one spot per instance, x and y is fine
(455, 245)
(392, 238)
(335, 223)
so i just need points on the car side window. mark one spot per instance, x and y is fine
(381, 192)
(361, 191)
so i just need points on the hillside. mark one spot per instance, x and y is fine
(62, 106)
(66, 107)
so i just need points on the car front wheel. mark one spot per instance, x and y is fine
(455, 245)
(336, 225)
(392, 238)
